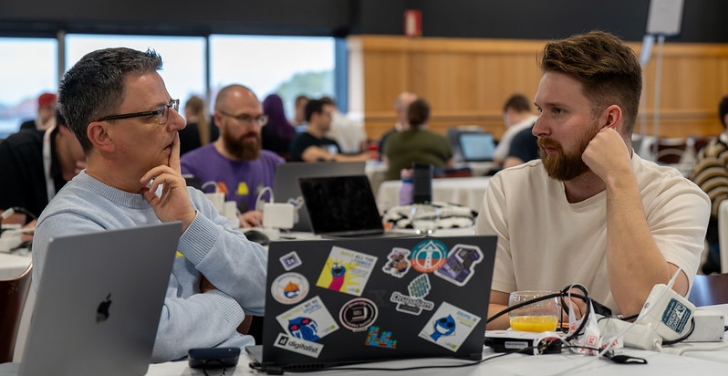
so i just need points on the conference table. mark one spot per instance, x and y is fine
(376, 170)
(667, 363)
(467, 191)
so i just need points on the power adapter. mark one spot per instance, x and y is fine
(667, 312)
(709, 327)
(278, 216)
(637, 337)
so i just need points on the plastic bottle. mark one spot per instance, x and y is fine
(407, 189)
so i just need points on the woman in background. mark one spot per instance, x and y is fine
(416, 144)
(198, 131)
(278, 132)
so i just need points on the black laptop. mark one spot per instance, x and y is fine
(341, 206)
(338, 302)
(286, 187)
(477, 147)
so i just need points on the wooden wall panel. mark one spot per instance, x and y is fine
(466, 82)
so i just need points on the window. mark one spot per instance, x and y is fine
(28, 68)
(183, 58)
(287, 66)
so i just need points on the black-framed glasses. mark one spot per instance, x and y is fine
(247, 119)
(162, 113)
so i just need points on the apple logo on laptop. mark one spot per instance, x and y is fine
(102, 313)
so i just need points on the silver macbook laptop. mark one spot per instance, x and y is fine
(99, 302)
(337, 302)
(286, 187)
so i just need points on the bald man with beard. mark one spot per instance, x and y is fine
(235, 162)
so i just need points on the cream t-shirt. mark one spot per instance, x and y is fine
(546, 243)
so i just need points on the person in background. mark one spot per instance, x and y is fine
(517, 116)
(299, 116)
(711, 175)
(416, 144)
(400, 108)
(198, 131)
(46, 118)
(523, 148)
(278, 133)
(35, 166)
(348, 133)
(235, 162)
(591, 211)
(126, 122)
(312, 145)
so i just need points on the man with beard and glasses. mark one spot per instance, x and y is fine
(118, 107)
(235, 162)
(591, 211)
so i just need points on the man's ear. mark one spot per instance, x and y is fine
(99, 136)
(612, 117)
(217, 119)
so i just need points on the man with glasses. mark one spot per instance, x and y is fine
(312, 146)
(118, 107)
(235, 162)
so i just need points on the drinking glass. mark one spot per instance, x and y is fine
(425, 218)
(537, 317)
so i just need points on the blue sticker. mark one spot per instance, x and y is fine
(290, 261)
(460, 264)
(383, 340)
(428, 256)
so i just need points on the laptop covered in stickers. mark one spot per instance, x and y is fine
(337, 302)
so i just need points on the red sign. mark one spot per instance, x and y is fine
(412, 23)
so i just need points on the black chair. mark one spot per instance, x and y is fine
(13, 293)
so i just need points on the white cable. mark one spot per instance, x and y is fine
(257, 202)
(623, 332)
(7, 213)
(260, 195)
(702, 348)
(207, 184)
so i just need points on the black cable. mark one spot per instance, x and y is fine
(561, 295)
(213, 364)
(630, 318)
(523, 304)
(692, 328)
(25, 211)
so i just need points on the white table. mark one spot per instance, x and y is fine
(376, 171)
(659, 364)
(463, 191)
(12, 266)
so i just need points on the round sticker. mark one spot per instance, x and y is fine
(289, 288)
(358, 314)
(428, 256)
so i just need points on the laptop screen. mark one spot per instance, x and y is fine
(286, 187)
(341, 205)
(477, 146)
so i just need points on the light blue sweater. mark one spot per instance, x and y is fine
(189, 319)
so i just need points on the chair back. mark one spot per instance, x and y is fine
(13, 293)
(670, 151)
(709, 290)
